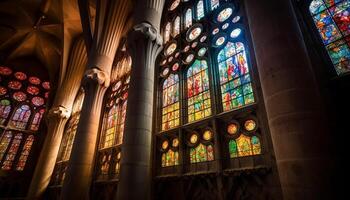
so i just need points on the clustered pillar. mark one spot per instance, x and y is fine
(57, 119)
(298, 128)
(111, 17)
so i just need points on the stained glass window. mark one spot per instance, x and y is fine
(171, 104)
(243, 145)
(34, 80)
(202, 153)
(37, 119)
(5, 109)
(25, 153)
(21, 76)
(167, 32)
(3, 90)
(70, 134)
(200, 10)
(4, 143)
(20, 117)
(332, 21)
(170, 158)
(214, 4)
(11, 154)
(112, 120)
(235, 81)
(188, 18)
(176, 29)
(33, 90)
(19, 96)
(37, 101)
(199, 104)
(5, 71)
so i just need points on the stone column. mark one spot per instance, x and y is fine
(57, 118)
(144, 44)
(110, 21)
(300, 136)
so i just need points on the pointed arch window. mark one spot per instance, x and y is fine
(198, 94)
(171, 103)
(36, 120)
(331, 19)
(11, 154)
(5, 109)
(4, 143)
(176, 29)
(200, 10)
(21, 117)
(25, 153)
(188, 18)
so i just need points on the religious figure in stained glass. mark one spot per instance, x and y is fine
(235, 80)
(171, 104)
(332, 21)
(199, 104)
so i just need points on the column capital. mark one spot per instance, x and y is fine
(149, 31)
(98, 76)
(59, 112)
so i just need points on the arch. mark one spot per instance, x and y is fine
(171, 102)
(331, 21)
(34, 126)
(4, 143)
(176, 29)
(21, 117)
(201, 153)
(12, 152)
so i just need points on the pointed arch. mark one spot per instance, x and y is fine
(171, 102)
(21, 117)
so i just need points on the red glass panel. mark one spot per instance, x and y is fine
(46, 85)
(34, 80)
(46, 95)
(25, 153)
(38, 101)
(10, 157)
(33, 90)
(15, 85)
(20, 76)
(5, 71)
(3, 90)
(19, 96)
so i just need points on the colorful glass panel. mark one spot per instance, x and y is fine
(188, 18)
(4, 143)
(38, 101)
(70, 135)
(194, 33)
(232, 145)
(21, 76)
(171, 104)
(170, 158)
(33, 90)
(256, 147)
(199, 104)
(5, 71)
(15, 85)
(214, 4)
(34, 80)
(20, 117)
(46, 85)
(110, 132)
(36, 120)
(225, 14)
(11, 154)
(176, 29)
(332, 21)
(3, 90)
(201, 153)
(235, 81)
(5, 109)
(25, 153)
(235, 33)
(19, 96)
(171, 49)
(167, 32)
(200, 10)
